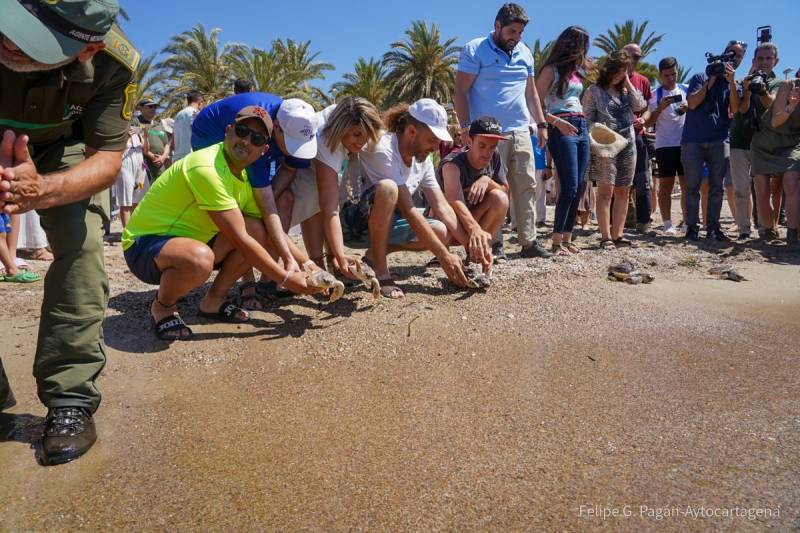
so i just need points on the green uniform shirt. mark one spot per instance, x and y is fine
(743, 127)
(91, 101)
(178, 202)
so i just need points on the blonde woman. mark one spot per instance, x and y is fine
(345, 129)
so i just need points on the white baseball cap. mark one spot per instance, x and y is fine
(433, 115)
(299, 123)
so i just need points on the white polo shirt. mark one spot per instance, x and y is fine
(383, 161)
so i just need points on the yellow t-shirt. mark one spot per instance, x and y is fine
(177, 204)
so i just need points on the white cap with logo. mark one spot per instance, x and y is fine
(433, 115)
(299, 123)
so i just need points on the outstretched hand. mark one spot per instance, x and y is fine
(21, 185)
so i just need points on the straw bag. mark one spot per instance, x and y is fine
(606, 142)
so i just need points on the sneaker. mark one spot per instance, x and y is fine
(692, 233)
(743, 237)
(499, 254)
(535, 250)
(769, 234)
(68, 433)
(670, 230)
(542, 224)
(717, 235)
(682, 227)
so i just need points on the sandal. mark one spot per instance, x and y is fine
(250, 302)
(388, 288)
(607, 244)
(623, 242)
(571, 247)
(23, 276)
(228, 312)
(172, 328)
(558, 249)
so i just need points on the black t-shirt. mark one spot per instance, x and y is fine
(469, 174)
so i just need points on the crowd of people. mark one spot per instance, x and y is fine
(219, 187)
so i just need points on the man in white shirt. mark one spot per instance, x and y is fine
(182, 127)
(667, 110)
(396, 166)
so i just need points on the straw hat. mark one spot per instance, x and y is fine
(606, 142)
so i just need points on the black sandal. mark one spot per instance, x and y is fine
(246, 300)
(607, 244)
(622, 241)
(172, 328)
(228, 312)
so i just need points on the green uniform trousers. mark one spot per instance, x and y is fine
(70, 352)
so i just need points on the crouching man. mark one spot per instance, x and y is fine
(396, 166)
(201, 214)
(475, 185)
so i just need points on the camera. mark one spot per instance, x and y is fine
(758, 82)
(716, 64)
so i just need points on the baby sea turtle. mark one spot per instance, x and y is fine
(726, 272)
(476, 278)
(365, 273)
(325, 282)
(627, 272)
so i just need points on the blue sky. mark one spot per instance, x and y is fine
(344, 31)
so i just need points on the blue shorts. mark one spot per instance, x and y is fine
(355, 225)
(5, 223)
(141, 256)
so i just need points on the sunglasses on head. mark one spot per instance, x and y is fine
(256, 138)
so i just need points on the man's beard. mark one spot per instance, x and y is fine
(29, 65)
(504, 45)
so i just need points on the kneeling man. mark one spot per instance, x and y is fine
(201, 214)
(396, 166)
(475, 185)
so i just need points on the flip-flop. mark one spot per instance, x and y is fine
(172, 328)
(250, 302)
(23, 276)
(21, 264)
(228, 312)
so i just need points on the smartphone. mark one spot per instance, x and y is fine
(796, 83)
(674, 99)
(763, 34)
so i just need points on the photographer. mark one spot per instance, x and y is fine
(710, 97)
(759, 87)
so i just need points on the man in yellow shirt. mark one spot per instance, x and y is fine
(200, 215)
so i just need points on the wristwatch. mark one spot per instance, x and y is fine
(541, 125)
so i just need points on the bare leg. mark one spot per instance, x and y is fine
(491, 212)
(763, 194)
(184, 264)
(791, 185)
(731, 198)
(12, 238)
(776, 188)
(314, 236)
(604, 193)
(380, 221)
(682, 184)
(620, 211)
(665, 187)
(125, 214)
(704, 186)
(285, 204)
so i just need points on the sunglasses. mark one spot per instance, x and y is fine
(256, 138)
(636, 57)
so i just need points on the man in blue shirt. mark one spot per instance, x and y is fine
(495, 78)
(703, 142)
(293, 145)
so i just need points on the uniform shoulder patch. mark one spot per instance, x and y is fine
(120, 48)
(130, 101)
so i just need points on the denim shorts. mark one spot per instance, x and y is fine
(5, 223)
(141, 257)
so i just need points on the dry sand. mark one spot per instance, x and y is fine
(553, 396)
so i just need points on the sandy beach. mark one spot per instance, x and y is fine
(555, 400)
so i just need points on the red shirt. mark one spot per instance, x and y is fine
(642, 85)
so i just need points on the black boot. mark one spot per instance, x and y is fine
(68, 433)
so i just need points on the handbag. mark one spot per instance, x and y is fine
(605, 142)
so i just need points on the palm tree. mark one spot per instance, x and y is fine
(422, 66)
(683, 73)
(368, 80)
(262, 67)
(195, 61)
(629, 32)
(147, 79)
(540, 54)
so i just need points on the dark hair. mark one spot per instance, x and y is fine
(398, 118)
(194, 96)
(242, 85)
(617, 61)
(667, 63)
(567, 54)
(510, 13)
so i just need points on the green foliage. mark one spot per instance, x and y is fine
(422, 66)
(368, 80)
(684, 73)
(629, 32)
(540, 54)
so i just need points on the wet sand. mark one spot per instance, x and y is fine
(552, 397)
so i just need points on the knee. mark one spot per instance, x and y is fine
(200, 261)
(386, 192)
(285, 200)
(255, 228)
(498, 200)
(439, 229)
